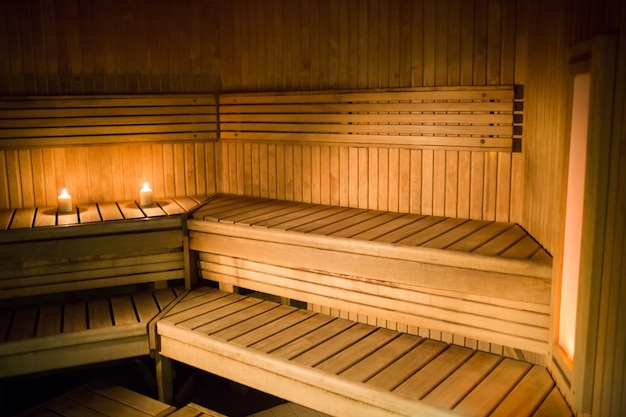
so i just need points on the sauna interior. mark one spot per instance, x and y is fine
(213, 51)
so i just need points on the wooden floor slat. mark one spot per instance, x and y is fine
(413, 368)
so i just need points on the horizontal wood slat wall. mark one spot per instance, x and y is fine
(477, 185)
(461, 118)
(35, 177)
(98, 120)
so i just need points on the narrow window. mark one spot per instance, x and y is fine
(574, 213)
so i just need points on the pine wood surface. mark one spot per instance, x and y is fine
(258, 341)
(461, 118)
(82, 120)
(100, 399)
(53, 335)
(499, 239)
(36, 217)
(474, 279)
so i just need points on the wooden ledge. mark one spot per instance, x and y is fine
(41, 223)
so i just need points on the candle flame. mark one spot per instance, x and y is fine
(64, 193)
(146, 187)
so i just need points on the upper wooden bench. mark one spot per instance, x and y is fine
(485, 280)
(82, 287)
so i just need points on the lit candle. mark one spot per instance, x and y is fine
(64, 202)
(145, 195)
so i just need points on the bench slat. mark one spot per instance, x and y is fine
(262, 314)
(272, 326)
(331, 218)
(5, 218)
(130, 210)
(436, 371)
(463, 380)
(342, 360)
(74, 317)
(99, 313)
(89, 213)
(528, 395)
(24, 323)
(23, 218)
(50, 320)
(376, 361)
(45, 216)
(329, 348)
(403, 367)
(123, 310)
(494, 388)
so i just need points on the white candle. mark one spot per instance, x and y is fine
(64, 202)
(145, 195)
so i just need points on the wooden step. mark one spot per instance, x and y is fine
(326, 360)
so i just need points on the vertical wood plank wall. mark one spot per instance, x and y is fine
(609, 377)
(34, 177)
(106, 47)
(314, 45)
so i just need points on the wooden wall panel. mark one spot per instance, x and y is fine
(95, 47)
(35, 177)
(106, 47)
(322, 44)
(408, 180)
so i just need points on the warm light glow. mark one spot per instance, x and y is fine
(145, 195)
(574, 214)
(64, 202)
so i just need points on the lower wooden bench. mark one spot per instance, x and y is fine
(54, 335)
(195, 410)
(82, 287)
(341, 367)
(101, 399)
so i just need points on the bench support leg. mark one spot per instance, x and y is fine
(165, 378)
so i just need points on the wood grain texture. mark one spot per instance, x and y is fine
(377, 371)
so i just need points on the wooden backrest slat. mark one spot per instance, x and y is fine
(13, 115)
(430, 117)
(13, 125)
(97, 120)
(450, 117)
(377, 129)
(165, 100)
(390, 107)
(417, 94)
